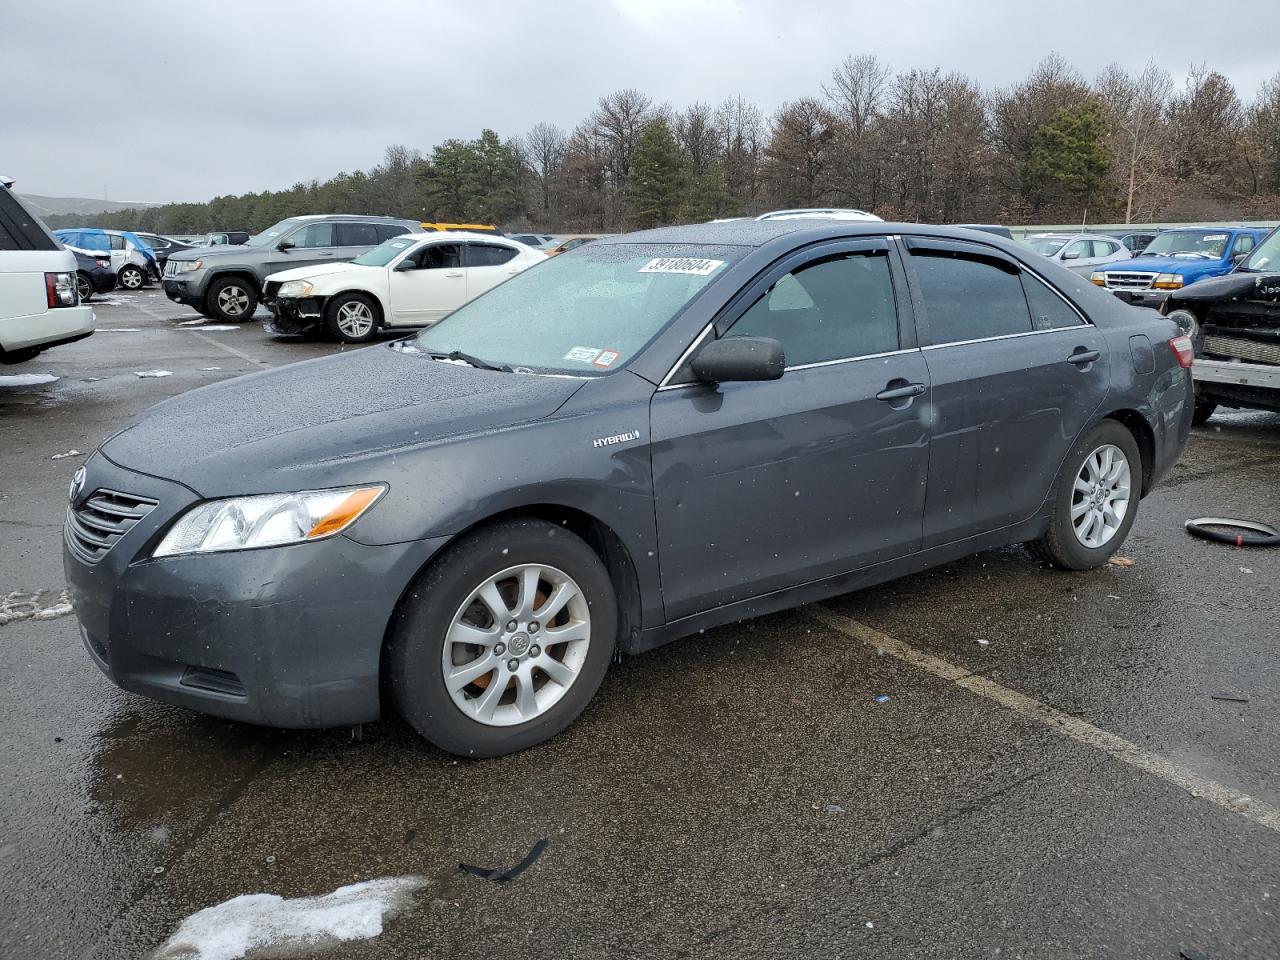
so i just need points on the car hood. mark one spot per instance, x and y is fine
(325, 422)
(1236, 285)
(206, 253)
(317, 270)
(1180, 265)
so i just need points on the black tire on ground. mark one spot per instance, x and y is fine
(414, 661)
(131, 277)
(1060, 546)
(230, 300)
(351, 318)
(85, 285)
(1203, 411)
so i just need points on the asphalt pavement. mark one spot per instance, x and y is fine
(1066, 765)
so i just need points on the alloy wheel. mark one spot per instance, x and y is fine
(355, 319)
(84, 286)
(516, 644)
(233, 300)
(131, 279)
(1100, 497)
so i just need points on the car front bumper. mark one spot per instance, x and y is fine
(185, 289)
(281, 636)
(293, 315)
(1142, 298)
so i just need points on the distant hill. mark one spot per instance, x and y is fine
(49, 206)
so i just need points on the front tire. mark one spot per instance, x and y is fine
(131, 277)
(84, 283)
(351, 318)
(503, 640)
(231, 300)
(1094, 500)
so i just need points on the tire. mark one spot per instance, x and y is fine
(351, 318)
(84, 283)
(230, 300)
(445, 598)
(1187, 321)
(1064, 547)
(1203, 411)
(131, 277)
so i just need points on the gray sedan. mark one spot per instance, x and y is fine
(649, 436)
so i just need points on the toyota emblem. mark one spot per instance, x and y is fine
(77, 486)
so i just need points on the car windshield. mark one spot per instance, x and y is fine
(1045, 246)
(1188, 243)
(384, 252)
(1266, 255)
(583, 313)
(272, 233)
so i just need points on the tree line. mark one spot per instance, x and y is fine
(922, 145)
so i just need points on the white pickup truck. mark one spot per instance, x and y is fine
(39, 297)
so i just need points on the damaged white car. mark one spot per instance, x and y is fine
(408, 281)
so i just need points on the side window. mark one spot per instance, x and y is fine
(313, 235)
(833, 309)
(969, 299)
(1104, 248)
(1077, 251)
(1048, 310)
(488, 254)
(117, 242)
(386, 231)
(439, 256)
(357, 235)
(1244, 243)
(7, 240)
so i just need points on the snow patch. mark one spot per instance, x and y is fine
(264, 924)
(69, 453)
(212, 326)
(26, 379)
(152, 373)
(118, 330)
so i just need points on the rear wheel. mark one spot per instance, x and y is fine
(131, 277)
(231, 300)
(1203, 411)
(85, 285)
(504, 639)
(1095, 499)
(351, 318)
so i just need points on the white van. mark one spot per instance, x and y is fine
(39, 298)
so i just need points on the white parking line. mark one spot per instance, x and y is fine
(1114, 746)
(207, 339)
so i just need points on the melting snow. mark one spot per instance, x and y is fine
(267, 925)
(26, 379)
(119, 330)
(153, 373)
(69, 453)
(214, 326)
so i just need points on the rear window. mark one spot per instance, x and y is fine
(19, 228)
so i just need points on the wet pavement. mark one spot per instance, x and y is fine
(740, 793)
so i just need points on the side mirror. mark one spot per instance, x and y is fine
(1239, 258)
(738, 359)
(405, 265)
(1070, 255)
(284, 245)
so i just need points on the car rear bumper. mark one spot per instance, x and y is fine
(282, 636)
(47, 329)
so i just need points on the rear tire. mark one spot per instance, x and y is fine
(351, 318)
(1203, 411)
(131, 277)
(446, 602)
(231, 300)
(84, 283)
(1086, 499)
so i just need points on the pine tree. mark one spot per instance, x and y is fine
(655, 184)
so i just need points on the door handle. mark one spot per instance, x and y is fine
(456, 273)
(323, 254)
(1081, 357)
(901, 392)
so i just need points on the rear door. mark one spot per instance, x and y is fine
(119, 251)
(433, 287)
(1016, 375)
(487, 265)
(353, 239)
(765, 485)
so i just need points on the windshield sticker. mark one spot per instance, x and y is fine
(694, 265)
(606, 358)
(400, 244)
(582, 354)
(1215, 236)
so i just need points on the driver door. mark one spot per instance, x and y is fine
(311, 244)
(433, 286)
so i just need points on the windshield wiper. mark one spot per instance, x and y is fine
(474, 361)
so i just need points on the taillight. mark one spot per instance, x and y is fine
(61, 290)
(1183, 350)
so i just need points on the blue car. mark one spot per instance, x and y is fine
(1177, 259)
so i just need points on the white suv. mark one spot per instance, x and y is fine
(39, 298)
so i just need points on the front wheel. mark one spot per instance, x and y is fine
(85, 285)
(231, 300)
(351, 318)
(131, 277)
(1095, 499)
(502, 642)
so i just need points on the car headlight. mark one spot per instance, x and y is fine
(270, 520)
(186, 266)
(1167, 281)
(1098, 278)
(296, 288)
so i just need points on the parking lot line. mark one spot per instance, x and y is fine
(206, 338)
(1079, 730)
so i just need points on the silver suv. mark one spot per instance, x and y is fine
(225, 282)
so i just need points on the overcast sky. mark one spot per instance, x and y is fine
(185, 101)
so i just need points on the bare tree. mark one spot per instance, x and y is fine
(542, 150)
(800, 153)
(617, 122)
(741, 130)
(1262, 134)
(857, 93)
(1136, 109)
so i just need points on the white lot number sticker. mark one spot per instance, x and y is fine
(582, 354)
(1214, 236)
(694, 265)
